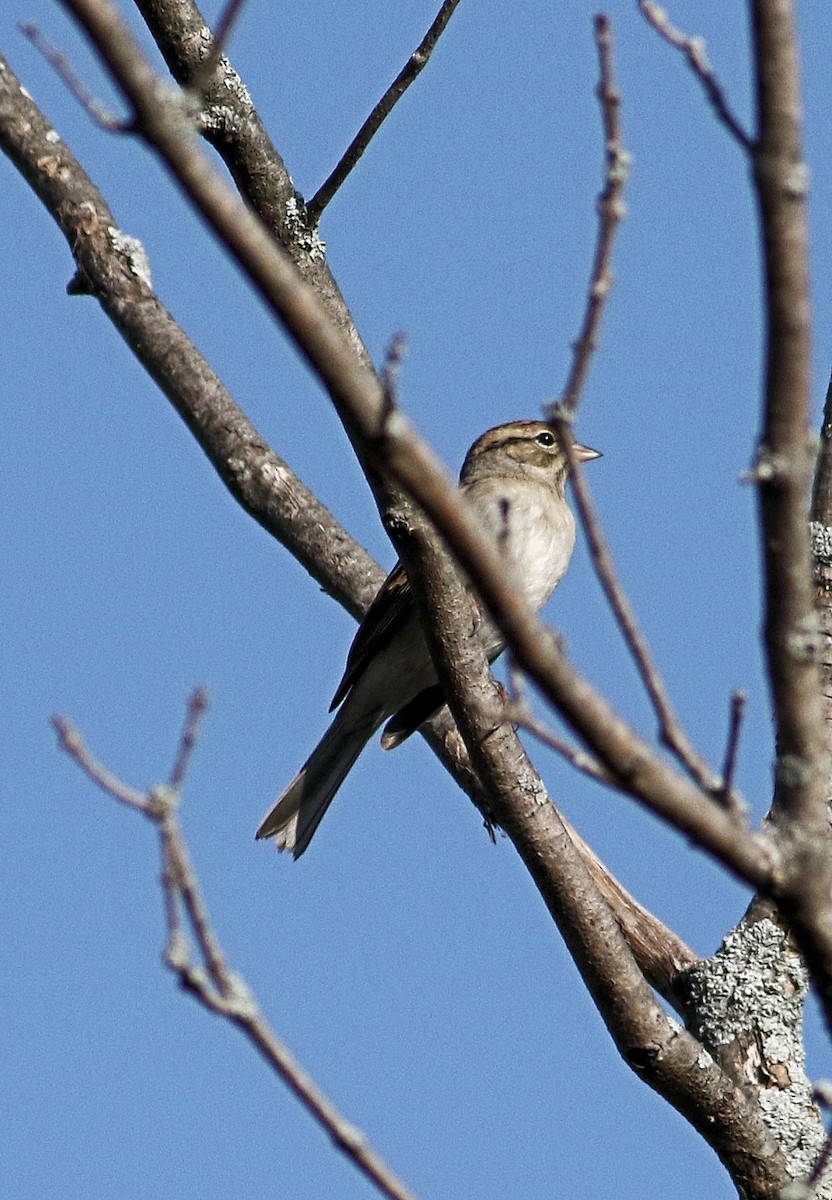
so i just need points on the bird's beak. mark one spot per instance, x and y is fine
(585, 453)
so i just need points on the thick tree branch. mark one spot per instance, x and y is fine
(784, 474)
(229, 121)
(762, 1023)
(359, 399)
(662, 1053)
(111, 267)
(784, 463)
(263, 484)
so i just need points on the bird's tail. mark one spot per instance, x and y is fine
(301, 807)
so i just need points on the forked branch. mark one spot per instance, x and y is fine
(193, 951)
(359, 399)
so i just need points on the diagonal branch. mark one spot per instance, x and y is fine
(95, 109)
(611, 211)
(696, 53)
(408, 74)
(670, 727)
(230, 123)
(262, 483)
(108, 268)
(359, 399)
(665, 1055)
(783, 473)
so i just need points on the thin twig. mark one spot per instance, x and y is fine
(611, 211)
(696, 53)
(518, 712)
(390, 373)
(671, 732)
(197, 707)
(357, 395)
(94, 108)
(71, 741)
(726, 793)
(225, 25)
(210, 979)
(409, 72)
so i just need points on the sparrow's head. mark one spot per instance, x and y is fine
(522, 448)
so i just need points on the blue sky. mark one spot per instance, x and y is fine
(407, 962)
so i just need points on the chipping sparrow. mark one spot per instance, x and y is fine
(515, 477)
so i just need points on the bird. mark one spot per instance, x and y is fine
(514, 477)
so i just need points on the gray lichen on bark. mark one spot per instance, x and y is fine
(746, 1006)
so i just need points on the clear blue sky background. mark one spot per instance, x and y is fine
(407, 961)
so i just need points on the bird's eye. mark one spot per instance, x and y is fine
(545, 439)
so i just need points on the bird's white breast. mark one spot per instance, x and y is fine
(536, 536)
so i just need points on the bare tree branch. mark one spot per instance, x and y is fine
(696, 53)
(262, 483)
(111, 268)
(662, 956)
(661, 1052)
(219, 41)
(409, 72)
(784, 466)
(611, 211)
(95, 109)
(210, 979)
(670, 728)
(359, 399)
(516, 709)
(821, 531)
(738, 702)
(229, 121)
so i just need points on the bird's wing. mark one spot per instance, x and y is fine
(387, 613)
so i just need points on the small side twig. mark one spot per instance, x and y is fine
(562, 413)
(696, 53)
(518, 712)
(95, 109)
(207, 975)
(726, 793)
(409, 72)
(71, 741)
(390, 373)
(611, 211)
(225, 25)
(671, 732)
(197, 707)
